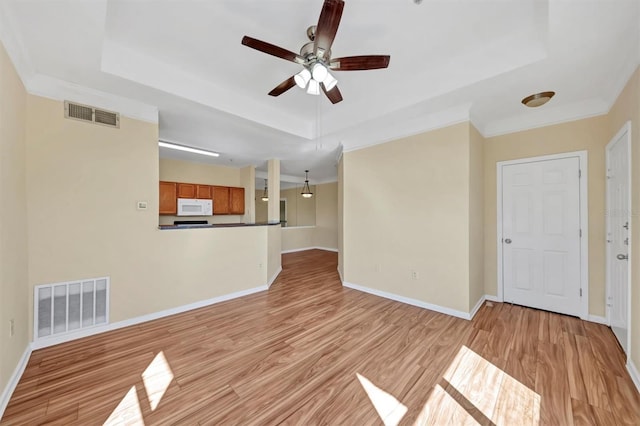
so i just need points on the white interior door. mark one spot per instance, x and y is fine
(541, 234)
(618, 236)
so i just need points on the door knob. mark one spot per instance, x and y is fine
(507, 241)
(622, 256)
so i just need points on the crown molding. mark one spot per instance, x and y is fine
(618, 85)
(547, 117)
(380, 132)
(53, 88)
(13, 44)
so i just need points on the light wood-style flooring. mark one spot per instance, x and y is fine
(309, 351)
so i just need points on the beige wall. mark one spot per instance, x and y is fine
(476, 216)
(341, 218)
(325, 232)
(248, 182)
(13, 220)
(207, 174)
(83, 182)
(274, 241)
(297, 238)
(406, 207)
(627, 107)
(590, 134)
(262, 207)
(300, 211)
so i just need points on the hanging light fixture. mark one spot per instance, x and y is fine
(265, 193)
(306, 191)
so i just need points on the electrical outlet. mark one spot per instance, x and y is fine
(260, 265)
(378, 268)
(414, 275)
(12, 329)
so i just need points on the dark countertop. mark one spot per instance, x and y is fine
(217, 225)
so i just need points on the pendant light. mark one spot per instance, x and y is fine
(306, 191)
(265, 193)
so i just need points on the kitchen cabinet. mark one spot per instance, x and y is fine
(221, 199)
(237, 200)
(187, 190)
(168, 198)
(204, 192)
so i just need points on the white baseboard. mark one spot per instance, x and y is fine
(476, 308)
(14, 379)
(54, 340)
(633, 372)
(409, 301)
(492, 298)
(335, 250)
(598, 319)
(273, 278)
(309, 248)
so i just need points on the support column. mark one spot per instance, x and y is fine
(274, 190)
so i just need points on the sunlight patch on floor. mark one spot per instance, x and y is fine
(390, 410)
(483, 391)
(157, 378)
(127, 412)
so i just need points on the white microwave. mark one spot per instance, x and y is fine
(194, 207)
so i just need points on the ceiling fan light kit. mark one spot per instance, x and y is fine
(315, 56)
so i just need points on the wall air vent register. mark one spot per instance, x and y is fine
(91, 114)
(63, 308)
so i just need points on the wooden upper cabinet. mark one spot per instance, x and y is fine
(187, 190)
(168, 198)
(237, 201)
(204, 192)
(220, 199)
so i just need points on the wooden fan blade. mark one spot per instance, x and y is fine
(271, 49)
(327, 26)
(283, 87)
(360, 63)
(334, 94)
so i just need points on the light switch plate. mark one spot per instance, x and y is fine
(142, 205)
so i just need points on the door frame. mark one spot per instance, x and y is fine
(584, 222)
(625, 128)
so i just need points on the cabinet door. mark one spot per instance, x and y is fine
(220, 200)
(237, 201)
(168, 198)
(187, 190)
(203, 192)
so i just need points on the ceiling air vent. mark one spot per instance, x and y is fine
(91, 114)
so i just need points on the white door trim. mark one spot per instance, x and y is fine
(584, 222)
(625, 128)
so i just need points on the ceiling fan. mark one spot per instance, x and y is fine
(315, 56)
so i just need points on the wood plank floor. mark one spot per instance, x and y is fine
(311, 352)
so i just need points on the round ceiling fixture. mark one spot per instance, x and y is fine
(538, 99)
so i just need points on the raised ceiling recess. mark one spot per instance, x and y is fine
(315, 56)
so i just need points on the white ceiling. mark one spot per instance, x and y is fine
(450, 61)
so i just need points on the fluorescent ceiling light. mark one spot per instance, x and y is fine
(187, 149)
